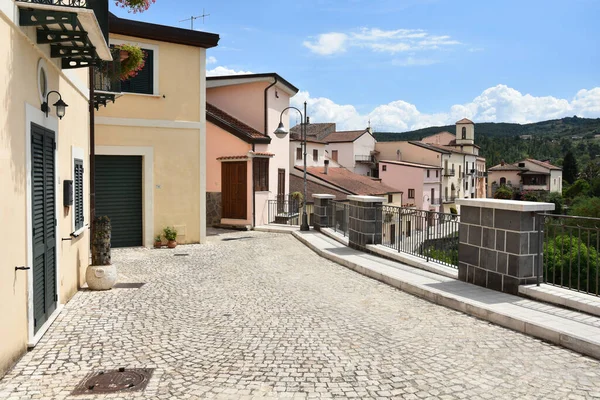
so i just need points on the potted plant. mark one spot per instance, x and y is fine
(135, 5)
(102, 274)
(157, 242)
(171, 236)
(132, 60)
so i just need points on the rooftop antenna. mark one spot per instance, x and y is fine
(192, 18)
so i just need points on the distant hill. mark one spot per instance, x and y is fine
(502, 141)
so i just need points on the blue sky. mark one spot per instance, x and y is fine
(406, 64)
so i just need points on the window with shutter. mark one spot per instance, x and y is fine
(261, 174)
(78, 194)
(299, 153)
(143, 82)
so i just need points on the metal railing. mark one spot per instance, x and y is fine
(107, 74)
(449, 172)
(571, 252)
(288, 211)
(449, 199)
(339, 217)
(436, 201)
(426, 234)
(64, 3)
(364, 159)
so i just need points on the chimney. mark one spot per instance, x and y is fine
(326, 166)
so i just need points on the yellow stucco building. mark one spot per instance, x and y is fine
(152, 138)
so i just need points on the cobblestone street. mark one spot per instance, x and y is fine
(253, 315)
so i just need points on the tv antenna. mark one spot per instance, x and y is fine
(192, 18)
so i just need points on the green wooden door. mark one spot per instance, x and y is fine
(119, 196)
(43, 189)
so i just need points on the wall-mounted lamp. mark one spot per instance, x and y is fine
(60, 105)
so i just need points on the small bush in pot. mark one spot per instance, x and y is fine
(102, 274)
(170, 234)
(157, 242)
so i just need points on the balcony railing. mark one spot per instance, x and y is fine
(436, 201)
(426, 234)
(63, 3)
(571, 252)
(364, 159)
(450, 199)
(449, 172)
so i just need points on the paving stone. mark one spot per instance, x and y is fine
(264, 317)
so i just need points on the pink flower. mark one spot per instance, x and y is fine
(135, 5)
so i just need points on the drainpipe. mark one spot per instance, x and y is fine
(253, 192)
(92, 161)
(266, 134)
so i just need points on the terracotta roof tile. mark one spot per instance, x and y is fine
(343, 136)
(543, 164)
(318, 130)
(240, 157)
(232, 123)
(465, 121)
(349, 181)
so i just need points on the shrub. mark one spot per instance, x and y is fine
(569, 262)
(504, 192)
(170, 233)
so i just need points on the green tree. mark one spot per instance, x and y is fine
(558, 201)
(570, 167)
(570, 262)
(586, 207)
(579, 188)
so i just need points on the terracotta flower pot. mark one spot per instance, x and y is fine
(172, 244)
(157, 245)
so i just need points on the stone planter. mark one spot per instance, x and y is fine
(101, 277)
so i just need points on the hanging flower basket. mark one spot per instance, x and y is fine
(135, 5)
(133, 59)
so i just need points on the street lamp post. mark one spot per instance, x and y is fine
(280, 132)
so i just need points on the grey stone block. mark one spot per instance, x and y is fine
(471, 274)
(487, 217)
(517, 242)
(510, 284)
(480, 277)
(520, 266)
(463, 233)
(494, 281)
(470, 215)
(488, 259)
(500, 240)
(533, 243)
(502, 263)
(488, 238)
(475, 235)
(462, 272)
(513, 220)
(468, 254)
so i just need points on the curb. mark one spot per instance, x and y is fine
(554, 336)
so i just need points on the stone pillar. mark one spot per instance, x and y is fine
(322, 210)
(364, 221)
(498, 242)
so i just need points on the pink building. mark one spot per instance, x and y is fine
(246, 164)
(420, 184)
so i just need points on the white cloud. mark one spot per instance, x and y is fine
(414, 62)
(392, 41)
(496, 104)
(328, 43)
(220, 71)
(211, 60)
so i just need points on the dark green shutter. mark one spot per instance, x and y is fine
(143, 82)
(43, 190)
(119, 196)
(78, 197)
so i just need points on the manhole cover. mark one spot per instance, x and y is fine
(117, 381)
(129, 285)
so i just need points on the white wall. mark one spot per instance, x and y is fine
(320, 147)
(345, 153)
(556, 176)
